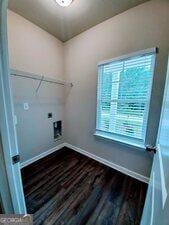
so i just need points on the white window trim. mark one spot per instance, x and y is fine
(117, 139)
(130, 55)
(111, 136)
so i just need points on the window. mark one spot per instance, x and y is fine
(124, 88)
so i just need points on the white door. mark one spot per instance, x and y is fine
(156, 210)
(7, 128)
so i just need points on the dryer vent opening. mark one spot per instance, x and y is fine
(57, 129)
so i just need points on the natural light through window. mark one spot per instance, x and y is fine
(124, 88)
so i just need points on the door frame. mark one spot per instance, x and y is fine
(7, 127)
(5, 196)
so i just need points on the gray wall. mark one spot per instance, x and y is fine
(142, 27)
(34, 128)
(139, 28)
(33, 50)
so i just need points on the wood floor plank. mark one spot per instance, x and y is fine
(38, 166)
(92, 189)
(1, 211)
(67, 188)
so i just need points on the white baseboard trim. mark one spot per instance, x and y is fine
(90, 155)
(42, 155)
(110, 164)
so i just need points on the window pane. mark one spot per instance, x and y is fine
(123, 96)
(105, 100)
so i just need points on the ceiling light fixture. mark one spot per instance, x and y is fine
(64, 3)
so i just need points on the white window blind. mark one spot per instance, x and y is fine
(124, 88)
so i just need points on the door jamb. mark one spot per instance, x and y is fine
(7, 127)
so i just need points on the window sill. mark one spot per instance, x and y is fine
(114, 138)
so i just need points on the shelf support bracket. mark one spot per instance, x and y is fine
(39, 84)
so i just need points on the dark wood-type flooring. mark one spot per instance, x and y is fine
(67, 188)
(1, 211)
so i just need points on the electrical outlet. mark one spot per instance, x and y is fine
(26, 106)
(49, 115)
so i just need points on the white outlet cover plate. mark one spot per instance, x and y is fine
(26, 106)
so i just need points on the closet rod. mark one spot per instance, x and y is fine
(39, 77)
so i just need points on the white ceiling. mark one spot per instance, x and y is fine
(65, 23)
